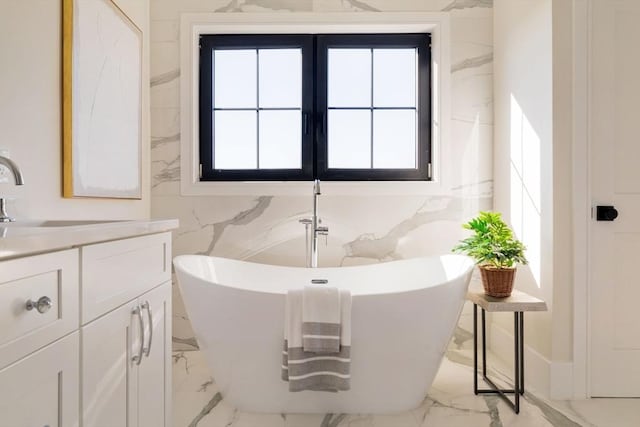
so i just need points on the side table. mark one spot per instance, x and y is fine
(518, 303)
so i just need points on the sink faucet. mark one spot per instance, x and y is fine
(17, 177)
(316, 228)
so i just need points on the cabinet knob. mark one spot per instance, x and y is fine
(43, 305)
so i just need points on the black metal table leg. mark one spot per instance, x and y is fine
(521, 352)
(518, 378)
(484, 344)
(475, 349)
(516, 360)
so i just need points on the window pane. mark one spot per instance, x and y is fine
(394, 139)
(280, 139)
(235, 140)
(394, 77)
(349, 139)
(349, 77)
(234, 76)
(280, 75)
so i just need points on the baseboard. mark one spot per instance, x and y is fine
(561, 381)
(549, 379)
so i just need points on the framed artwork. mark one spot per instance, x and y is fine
(102, 114)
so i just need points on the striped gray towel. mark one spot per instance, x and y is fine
(309, 371)
(317, 371)
(318, 337)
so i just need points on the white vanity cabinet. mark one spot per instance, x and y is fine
(39, 350)
(126, 376)
(85, 334)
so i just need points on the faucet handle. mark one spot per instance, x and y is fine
(324, 231)
(305, 221)
(4, 217)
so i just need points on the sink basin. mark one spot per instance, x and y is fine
(55, 223)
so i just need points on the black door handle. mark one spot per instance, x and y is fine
(606, 213)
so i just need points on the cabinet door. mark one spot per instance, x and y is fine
(154, 373)
(42, 389)
(109, 373)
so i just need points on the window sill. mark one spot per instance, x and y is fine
(303, 188)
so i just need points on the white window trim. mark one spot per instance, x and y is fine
(192, 25)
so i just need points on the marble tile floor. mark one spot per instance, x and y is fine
(450, 403)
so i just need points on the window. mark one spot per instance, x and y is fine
(298, 107)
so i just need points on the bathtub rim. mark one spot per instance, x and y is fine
(468, 270)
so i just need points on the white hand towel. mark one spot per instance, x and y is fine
(321, 319)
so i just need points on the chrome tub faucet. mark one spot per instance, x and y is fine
(313, 227)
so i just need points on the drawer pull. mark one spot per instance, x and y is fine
(43, 305)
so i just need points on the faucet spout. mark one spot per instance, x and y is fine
(15, 170)
(17, 177)
(316, 187)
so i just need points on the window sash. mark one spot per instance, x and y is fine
(219, 42)
(367, 41)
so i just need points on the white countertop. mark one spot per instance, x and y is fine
(32, 237)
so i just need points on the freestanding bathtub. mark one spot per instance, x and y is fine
(403, 316)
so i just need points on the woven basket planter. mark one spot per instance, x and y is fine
(497, 282)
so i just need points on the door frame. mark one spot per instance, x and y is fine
(581, 177)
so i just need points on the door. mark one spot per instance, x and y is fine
(154, 372)
(42, 389)
(109, 371)
(615, 180)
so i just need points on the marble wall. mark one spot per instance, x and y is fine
(363, 229)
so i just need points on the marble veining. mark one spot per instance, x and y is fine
(384, 248)
(217, 398)
(272, 5)
(476, 61)
(161, 140)
(331, 420)
(243, 218)
(189, 342)
(360, 5)
(170, 172)
(467, 4)
(164, 78)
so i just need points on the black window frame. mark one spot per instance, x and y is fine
(314, 107)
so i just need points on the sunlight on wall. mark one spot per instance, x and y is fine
(525, 186)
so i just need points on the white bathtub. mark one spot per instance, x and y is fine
(403, 316)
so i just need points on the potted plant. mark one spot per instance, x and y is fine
(495, 250)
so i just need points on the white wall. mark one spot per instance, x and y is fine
(562, 333)
(523, 155)
(31, 106)
(533, 163)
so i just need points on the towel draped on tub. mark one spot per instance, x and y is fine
(327, 331)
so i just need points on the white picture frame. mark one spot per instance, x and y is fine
(102, 98)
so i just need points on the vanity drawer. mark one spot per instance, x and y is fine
(50, 277)
(119, 271)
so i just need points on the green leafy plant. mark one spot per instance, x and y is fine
(492, 243)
